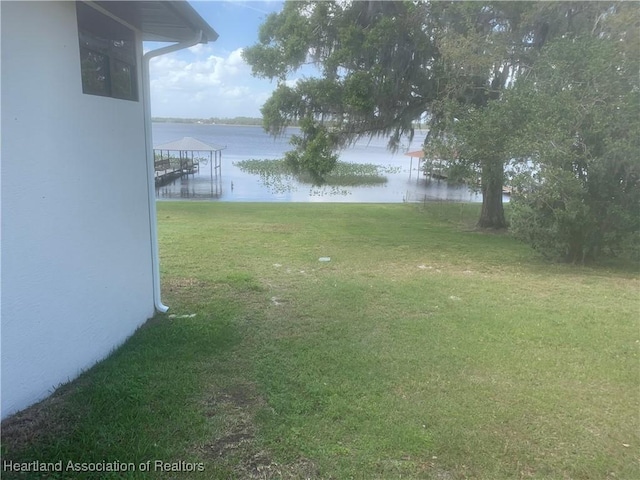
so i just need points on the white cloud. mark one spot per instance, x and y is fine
(292, 83)
(235, 58)
(199, 83)
(198, 48)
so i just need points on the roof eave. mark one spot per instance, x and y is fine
(162, 21)
(185, 10)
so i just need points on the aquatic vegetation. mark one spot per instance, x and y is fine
(279, 177)
(274, 174)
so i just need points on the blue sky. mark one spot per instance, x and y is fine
(213, 80)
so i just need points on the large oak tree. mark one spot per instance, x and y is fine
(383, 66)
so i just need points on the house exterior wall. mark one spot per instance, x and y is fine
(76, 254)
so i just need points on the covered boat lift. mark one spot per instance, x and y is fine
(431, 171)
(185, 151)
(419, 154)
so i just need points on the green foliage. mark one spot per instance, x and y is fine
(358, 93)
(386, 65)
(583, 134)
(314, 151)
(377, 64)
(574, 108)
(553, 217)
(483, 47)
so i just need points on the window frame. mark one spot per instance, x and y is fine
(101, 36)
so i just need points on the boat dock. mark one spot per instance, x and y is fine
(174, 159)
(167, 169)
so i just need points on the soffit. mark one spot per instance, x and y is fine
(161, 21)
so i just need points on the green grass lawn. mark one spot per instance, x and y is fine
(422, 349)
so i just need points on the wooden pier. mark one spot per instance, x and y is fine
(168, 169)
(175, 159)
(428, 167)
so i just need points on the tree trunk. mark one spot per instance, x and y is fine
(492, 214)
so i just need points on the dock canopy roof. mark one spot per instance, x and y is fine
(189, 144)
(416, 154)
(161, 21)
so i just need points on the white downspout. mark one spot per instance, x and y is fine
(151, 187)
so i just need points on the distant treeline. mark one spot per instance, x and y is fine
(231, 121)
(211, 121)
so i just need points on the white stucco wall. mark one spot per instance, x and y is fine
(76, 258)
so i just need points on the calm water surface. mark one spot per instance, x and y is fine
(242, 143)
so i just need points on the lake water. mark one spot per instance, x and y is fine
(245, 142)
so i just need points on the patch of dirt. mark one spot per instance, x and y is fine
(229, 442)
(182, 282)
(176, 284)
(237, 446)
(302, 469)
(47, 418)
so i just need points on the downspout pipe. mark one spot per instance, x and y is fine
(153, 218)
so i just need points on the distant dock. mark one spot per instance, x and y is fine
(166, 170)
(175, 159)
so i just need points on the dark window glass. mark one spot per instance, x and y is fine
(107, 55)
(95, 72)
(122, 80)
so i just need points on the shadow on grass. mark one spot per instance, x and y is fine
(137, 405)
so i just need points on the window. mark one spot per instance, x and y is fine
(107, 55)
